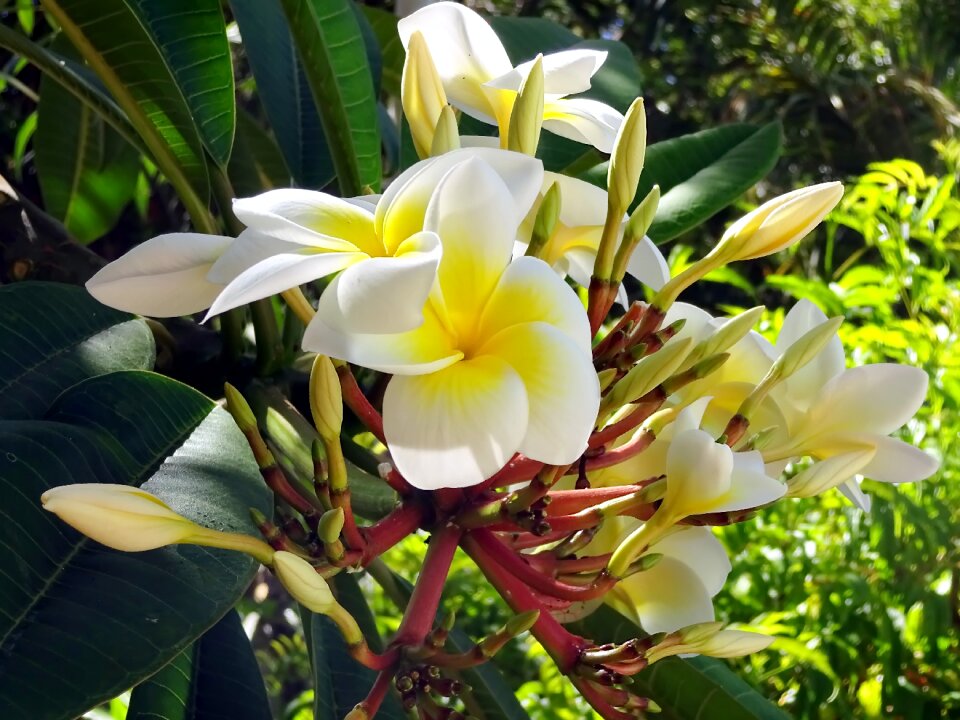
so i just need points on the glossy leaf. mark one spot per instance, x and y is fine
(330, 44)
(81, 623)
(125, 56)
(702, 173)
(87, 171)
(697, 687)
(192, 38)
(392, 54)
(284, 92)
(256, 163)
(57, 335)
(214, 679)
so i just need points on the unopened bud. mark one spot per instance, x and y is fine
(239, 408)
(526, 118)
(626, 161)
(778, 223)
(421, 93)
(648, 373)
(330, 525)
(546, 221)
(446, 136)
(519, 624)
(699, 371)
(699, 632)
(303, 583)
(606, 377)
(326, 401)
(727, 335)
(808, 346)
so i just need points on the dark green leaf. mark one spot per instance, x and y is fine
(81, 623)
(87, 171)
(256, 163)
(392, 54)
(329, 42)
(56, 336)
(284, 92)
(216, 678)
(192, 38)
(524, 37)
(685, 688)
(702, 173)
(371, 45)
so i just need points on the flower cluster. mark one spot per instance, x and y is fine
(577, 446)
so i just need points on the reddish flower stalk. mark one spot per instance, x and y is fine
(616, 456)
(422, 609)
(595, 696)
(605, 346)
(386, 533)
(568, 502)
(395, 480)
(646, 406)
(371, 704)
(518, 469)
(355, 399)
(516, 565)
(563, 646)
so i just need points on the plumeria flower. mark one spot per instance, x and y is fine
(678, 590)
(572, 249)
(480, 80)
(502, 361)
(387, 263)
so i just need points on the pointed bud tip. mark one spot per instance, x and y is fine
(239, 408)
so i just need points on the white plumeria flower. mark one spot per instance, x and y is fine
(480, 80)
(502, 361)
(678, 590)
(846, 415)
(572, 249)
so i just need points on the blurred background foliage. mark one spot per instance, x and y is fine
(866, 606)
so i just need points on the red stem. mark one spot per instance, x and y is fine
(355, 400)
(516, 565)
(632, 313)
(646, 406)
(597, 701)
(619, 454)
(422, 609)
(371, 704)
(519, 468)
(386, 533)
(568, 502)
(562, 646)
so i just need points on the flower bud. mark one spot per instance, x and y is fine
(545, 222)
(648, 373)
(446, 136)
(635, 230)
(732, 331)
(626, 162)
(303, 583)
(829, 473)
(326, 402)
(778, 223)
(422, 94)
(331, 525)
(733, 643)
(526, 118)
(118, 516)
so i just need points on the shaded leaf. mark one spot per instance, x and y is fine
(256, 163)
(392, 54)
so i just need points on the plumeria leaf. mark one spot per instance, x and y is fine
(80, 338)
(81, 623)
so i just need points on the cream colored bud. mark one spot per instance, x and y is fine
(331, 525)
(626, 162)
(326, 401)
(526, 118)
(808, 346)
(422, 94)
(446, 136)
(633, 233)
(648, 373)
(118, 516)
(606, 378)
(778, 223)
(303, 582)
(699, 632)
(733, 643)
(732, 331)
(545, 223)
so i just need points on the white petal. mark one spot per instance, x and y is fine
(586, 121)
(250, 247)
(829, 473)
(562, 389)
(281, 272)
(698, 474)
(530, 291)
(465, 49)
(383, 295)
(666, 597)
(310, 218)
(898, 462)
(163, 277)
(699, 549)
(470, 211)
(582, 204)
(851, 490)
(423, 350)
(648, 265)
(802, 386)
(698, 323)
(564, 73)
(455, 427)
(873, 398)
(750, 487)
(402, 208)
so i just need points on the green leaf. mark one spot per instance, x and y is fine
(524, 37)
(87, 171)
(81, 623)
(685, 688)
(56, 336)
(392, 54)
(192, 38)
(340, 682)
(284, 92)
(702, 173)
(329, 42)
(125, 56)
(256, 163)
(214, 679)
